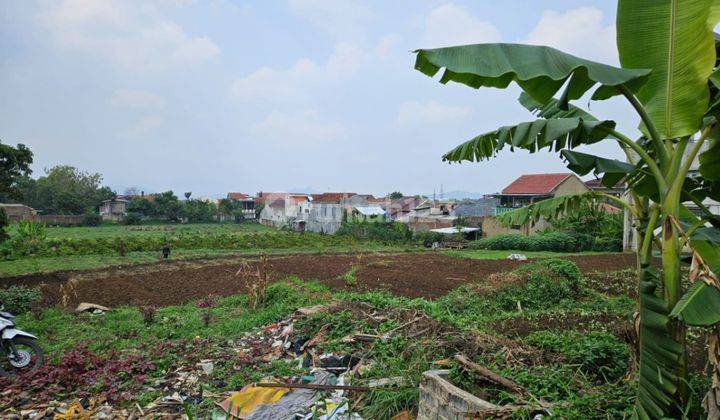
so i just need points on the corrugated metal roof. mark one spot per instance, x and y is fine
(370, 210)
(451, 230)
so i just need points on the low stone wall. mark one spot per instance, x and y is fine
(55, 219)
(439, 399)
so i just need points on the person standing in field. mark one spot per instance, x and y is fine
(166, 251)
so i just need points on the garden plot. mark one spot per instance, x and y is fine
(428, 275)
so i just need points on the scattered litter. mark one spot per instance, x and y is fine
(207, 366)
(243, 402)
(92, 308)
(75, 411)
(517, 257)
(403, 415)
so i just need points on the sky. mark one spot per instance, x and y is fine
(316, 95)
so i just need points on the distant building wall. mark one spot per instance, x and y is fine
(325, 217)
(491, 226)
(17, 212)
(424, 224)
(571, 185)
(56, 219)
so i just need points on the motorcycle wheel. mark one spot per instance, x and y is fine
(32, 357)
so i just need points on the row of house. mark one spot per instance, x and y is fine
(325, 212)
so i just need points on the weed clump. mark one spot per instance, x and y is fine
(597, 353)
(19, 299)
(542, 284)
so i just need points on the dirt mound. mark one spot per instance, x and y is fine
(428, 275)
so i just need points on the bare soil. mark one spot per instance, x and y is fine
(428, 275)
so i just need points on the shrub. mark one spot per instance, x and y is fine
(427, 238)
(387, 232)
(133, 218)
(18, 299)
(91, 218)
(598, 353)
(29, 239)
(4, 222)
(548, 241)
(542, 284)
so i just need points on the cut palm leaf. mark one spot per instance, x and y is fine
(539, 71)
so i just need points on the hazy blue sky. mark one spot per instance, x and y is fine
(214, 96)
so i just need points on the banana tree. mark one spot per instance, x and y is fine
(670, 77)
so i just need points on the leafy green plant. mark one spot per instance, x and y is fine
(132, 219)
(548, 241)
(91, 218)
(4, 222)
(18, 299)
(670, 78)
(29, 237)
(598, 353)
(385, 231)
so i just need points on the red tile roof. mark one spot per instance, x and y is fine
(608, 208)
(594, 184)
(237, 196)
(535, 184)
(265, 197)
(331, 197)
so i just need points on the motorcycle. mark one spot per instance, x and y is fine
(19, 349)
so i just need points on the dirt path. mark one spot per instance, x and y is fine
(427, 275)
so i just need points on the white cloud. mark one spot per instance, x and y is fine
(387, 44)
(137, 99)
(301, 129)
(430, 112)
(344, 19)
(143, 127)
(578, 31)
(450, 24)
(298, 82)
(126, 34)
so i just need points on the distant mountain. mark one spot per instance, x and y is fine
(456, 195)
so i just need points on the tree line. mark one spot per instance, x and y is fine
(67, 190)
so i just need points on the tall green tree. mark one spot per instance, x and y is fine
(168, 205)
(65, 189)
(14, 165)
(667, 51)
(198, 211)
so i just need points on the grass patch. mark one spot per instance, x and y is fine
(490, 254)
(579, 367)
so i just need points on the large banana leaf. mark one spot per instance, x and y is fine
(552, 109)
(550, 209)
(700, 306)
(706, 242)
(674, 38)
(532, 136)
(539, 71)
(659, 353)
(710, 161)
(582, 163)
